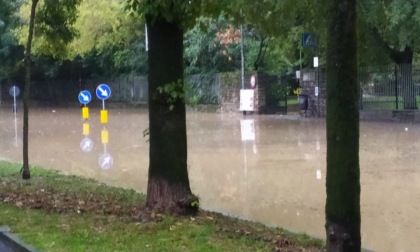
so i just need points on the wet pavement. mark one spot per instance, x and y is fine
(269, 169)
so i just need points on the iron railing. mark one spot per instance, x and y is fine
(394, 87)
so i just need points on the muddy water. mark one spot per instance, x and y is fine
(269, 169)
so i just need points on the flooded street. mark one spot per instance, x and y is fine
(269, 169)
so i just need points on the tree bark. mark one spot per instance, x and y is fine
(342, 208)
(25, 167)
(404, 60)
(168, 187)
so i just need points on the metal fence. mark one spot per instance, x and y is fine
(214, 89)
(394, 87)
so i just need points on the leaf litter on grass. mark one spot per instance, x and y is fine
(99, 199)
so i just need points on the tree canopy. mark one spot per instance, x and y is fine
(109, 38)
(54, 26)
(10, 51)
(394, 24)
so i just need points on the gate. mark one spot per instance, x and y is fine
(277, 90)
(389, 88)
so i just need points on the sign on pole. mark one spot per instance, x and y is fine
(309, 40)
(14, 91)
(103, 91)
(105, 161)
(85, 97)
(86, 145)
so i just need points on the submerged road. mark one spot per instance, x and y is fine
(269, 169)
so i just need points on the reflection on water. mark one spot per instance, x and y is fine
(269, 169)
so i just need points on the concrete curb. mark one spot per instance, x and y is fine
(11, 243)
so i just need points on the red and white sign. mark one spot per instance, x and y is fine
(252, 81)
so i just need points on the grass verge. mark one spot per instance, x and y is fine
(53, 212)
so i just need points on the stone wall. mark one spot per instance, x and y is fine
(310, 79)
(230, 86)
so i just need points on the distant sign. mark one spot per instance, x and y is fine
(103, 91)
(309, 40)
(85, 97)
(14, 91)
(252, 81)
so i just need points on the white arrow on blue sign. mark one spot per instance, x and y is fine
(85, 97)
(105, 161)
(86, 145)
(309, 40)
(103, 91)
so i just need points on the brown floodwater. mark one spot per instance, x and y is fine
(269, 169)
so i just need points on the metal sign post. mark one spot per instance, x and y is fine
(85, 97)
(316, 65)
(14, 91)
(105, 161)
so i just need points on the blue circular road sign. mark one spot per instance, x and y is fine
(103, 91)
(14, 91)
(85, 97)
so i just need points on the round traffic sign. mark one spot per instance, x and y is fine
(103, 91)
(105, 161)
(85, 97)
(14, 91)
(86, 145)
(252, 81)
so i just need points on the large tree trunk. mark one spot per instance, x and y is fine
(168, 187)
(404, 59)
(25, 167)
(343, 173)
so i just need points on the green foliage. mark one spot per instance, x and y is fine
(191, 98)
(213, 46)
(173, 93)
(10, 52)
(54, 26)
(195, 204)
(110, 42)
(206, 52)
(178, 11)
(284, 22)
(280, 92)
(396, 24)
(54, 22)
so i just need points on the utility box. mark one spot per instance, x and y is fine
(247, 100)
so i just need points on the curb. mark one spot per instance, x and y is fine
(11, 243)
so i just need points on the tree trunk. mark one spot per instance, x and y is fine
(342, 208)
(25, 167)
(407, 84)
(168, 187)
(404, 60)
